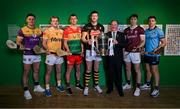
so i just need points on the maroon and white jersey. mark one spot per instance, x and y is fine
(133, 38)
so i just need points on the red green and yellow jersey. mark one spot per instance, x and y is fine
(54, 38)
(73, 37)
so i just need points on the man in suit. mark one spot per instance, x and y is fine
(115, 61)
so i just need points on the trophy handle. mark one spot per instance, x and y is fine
(92, 45)
(96, 40)
(110, 47)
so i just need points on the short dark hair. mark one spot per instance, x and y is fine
(30, 14)
(115, 21)
(152, 17)
(133, 15)
(52, 17)
(72, 15)
(93, 12)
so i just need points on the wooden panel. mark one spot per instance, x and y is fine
(13, 97)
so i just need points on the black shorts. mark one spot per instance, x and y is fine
(152, 60)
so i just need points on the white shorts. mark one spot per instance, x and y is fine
(30, 59)
(92, 56)
(135, 58)
(52, 59)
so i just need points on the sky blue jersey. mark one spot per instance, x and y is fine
(153, 37)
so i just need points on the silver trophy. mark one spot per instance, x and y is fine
(103, 44)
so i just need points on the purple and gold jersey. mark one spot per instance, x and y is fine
(133, 38)
(30, 37)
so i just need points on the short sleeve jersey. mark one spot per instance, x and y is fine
(30, 37)
(89, 27)
(133, 37)
(73, 37)
(54, 38)
(153, 37)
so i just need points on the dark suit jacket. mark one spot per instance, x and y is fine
(118, 48)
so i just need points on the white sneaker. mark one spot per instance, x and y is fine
(98, 89)
(38, 88)
(155, 93)
(86, 90)
(27, 95)
(145, 87)
(126, 86)
(137, 92)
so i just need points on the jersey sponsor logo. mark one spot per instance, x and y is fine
(95, 33)
(54, 39)
(74, 36)
(34, 39)
(131, 36)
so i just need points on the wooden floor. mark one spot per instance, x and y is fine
(13, 97)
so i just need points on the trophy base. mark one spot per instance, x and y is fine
(103, 52)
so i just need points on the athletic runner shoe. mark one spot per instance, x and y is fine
(60, 88)
(79, 87)
(27, 95)
(155, 93)
(86, 91)
(126, 86)
(48, 93)
(98, 89)
(145, 87)
(137, 92)
(69, 91)
(38, 88)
